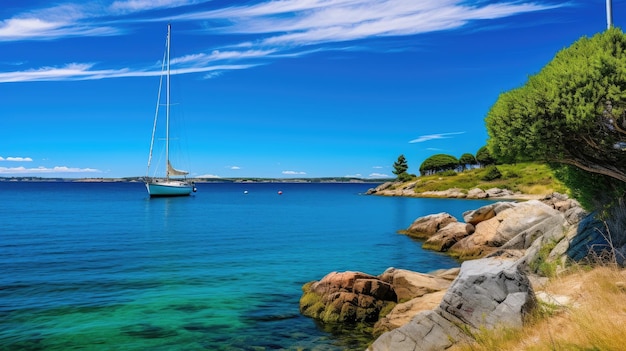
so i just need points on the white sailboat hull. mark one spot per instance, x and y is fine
(162, 187)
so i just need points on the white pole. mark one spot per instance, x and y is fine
(167, 106)
(609, 14)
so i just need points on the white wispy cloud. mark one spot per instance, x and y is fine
(234, 167)
(378, 175)
(306, 22)
(293, 173)
(16, 159)
(46, 170)
(429, 137)
(85, 71)
(277, 28)
(73, 19)
(125, 6)
(59, 21)
(208, 176)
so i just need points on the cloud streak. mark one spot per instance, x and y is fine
(16, 159)
(429, 137)
(45, 170)
(276, 28)
(293, 173)
(85, 71)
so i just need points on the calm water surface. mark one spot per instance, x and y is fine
(101, 266)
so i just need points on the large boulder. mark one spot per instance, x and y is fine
(408, 284)
(424, 227)
(346, 297)
(497, 192)
(427, 331)
(454, 193)
(514, 226)
(533, 216)
(403, 312)
(448, 236)
(486, 212)
(480, 243)
(488, 293)
(381, 188)
(477, 193)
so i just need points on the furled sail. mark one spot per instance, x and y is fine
(173, 171)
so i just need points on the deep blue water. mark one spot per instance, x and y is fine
(101, 266)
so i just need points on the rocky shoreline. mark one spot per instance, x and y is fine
(408, 190)
(509, 249)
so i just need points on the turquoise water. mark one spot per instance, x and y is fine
(101, 266)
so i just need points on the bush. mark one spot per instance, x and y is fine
(491, 173)
(405, 177)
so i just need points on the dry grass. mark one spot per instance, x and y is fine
(536, 189)
(595, 320)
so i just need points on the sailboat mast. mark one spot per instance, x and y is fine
(167, 106)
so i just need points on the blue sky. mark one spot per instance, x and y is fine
(289, 88)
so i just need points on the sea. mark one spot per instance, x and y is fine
(102, 266)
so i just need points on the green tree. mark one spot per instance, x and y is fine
(438, 163)
(484, 158)
(400, 168)
(467, 160)
(572, 112)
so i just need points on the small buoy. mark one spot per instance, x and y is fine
(245, 191)
(280, 192)
(194, 189)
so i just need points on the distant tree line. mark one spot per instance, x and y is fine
(444, 163)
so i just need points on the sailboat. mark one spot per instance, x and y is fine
(167, 186)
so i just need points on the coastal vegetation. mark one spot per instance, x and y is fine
(527, 177)
(573, 115)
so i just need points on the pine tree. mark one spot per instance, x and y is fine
(400, 168)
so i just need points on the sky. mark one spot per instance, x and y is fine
(267, 88)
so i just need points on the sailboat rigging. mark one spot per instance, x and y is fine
(167, 186)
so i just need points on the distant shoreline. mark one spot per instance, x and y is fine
(199, 180)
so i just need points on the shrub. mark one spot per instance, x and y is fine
(491, 173)
(405, 177)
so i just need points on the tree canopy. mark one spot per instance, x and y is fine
(483, 157)
(467, 159)
(438, 163)
(571, 112)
